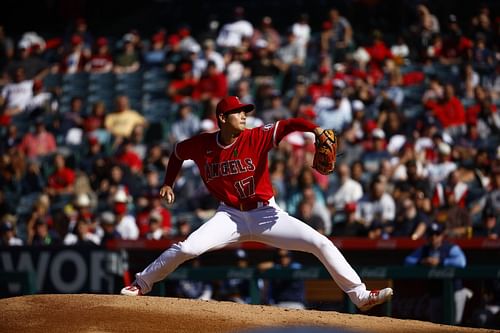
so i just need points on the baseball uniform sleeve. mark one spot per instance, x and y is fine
(285, 127)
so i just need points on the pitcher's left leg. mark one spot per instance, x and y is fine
(290, 233)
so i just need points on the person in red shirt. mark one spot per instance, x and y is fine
(102, 60)
(184, 85)
(62, 181)
(233, 165)
(212, 84)
(449, 112)
(39, 142)
(128, 157)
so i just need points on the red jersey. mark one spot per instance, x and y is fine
(236, 174)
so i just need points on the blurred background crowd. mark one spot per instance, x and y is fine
(88, 120)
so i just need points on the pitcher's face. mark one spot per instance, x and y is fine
(236, 121)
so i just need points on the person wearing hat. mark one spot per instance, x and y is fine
(437, 252)
(233, 164)
(127, 60)
(101, 60)
(8, 234)
(285, 293)
(125, 222)
(107, 223)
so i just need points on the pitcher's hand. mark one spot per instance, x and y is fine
(167, 193)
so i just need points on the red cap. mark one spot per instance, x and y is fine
(174, 40)
(76, 39)
(101, 41)
(183, 32)
(308, 112)
(158, 37)
(350, 207)
(232, 103)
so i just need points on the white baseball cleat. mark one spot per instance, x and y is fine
(132, 290)
(376, 297)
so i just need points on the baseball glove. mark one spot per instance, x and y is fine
(326, 152)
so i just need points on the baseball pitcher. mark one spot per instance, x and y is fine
(233, 165)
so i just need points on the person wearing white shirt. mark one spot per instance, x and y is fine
(231, 34)
(349, 190)
(335, 113)
(16, 95)
(302, 30)
(378, 205)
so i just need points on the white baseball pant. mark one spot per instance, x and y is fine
(269, 225)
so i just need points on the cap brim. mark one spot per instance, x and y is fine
(245, 107)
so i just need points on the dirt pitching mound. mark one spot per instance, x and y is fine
(110, 313)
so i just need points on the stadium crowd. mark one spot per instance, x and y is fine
(87, 123)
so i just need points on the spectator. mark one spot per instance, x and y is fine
(10, 139)
(40, 234)
(333, 112)
(231, 34)
(127, 61)
(489, 227)
(76, 58)
(101, 60)
(306, 214)
(126, 224)
(449, 112)
(457, 219)
(455, 45)
(40, 143)
(156, 158)
(349, 190)
(74, 117)
(17, 94)
(6, 49)
(93, 123)
(42, 103)
(61, 182)
(277, 111)
(410, 222)
(82, 235)
(121, 122)
(186, 124)
(33, 181)
(453, 185)
(155, 229)
(377, 204)
(401, 51)
(302, 31)
(440, 253)
(183, 86)
(81, 30)
(194, 289)
(155, 57)
(212, 84)
(107, 223)
(426, 28)
(208, 54)
(350, 226)
(337, 36)
(236, 70)
(128, 158)
(8, 234)
(439, 171)
(373, 157)
(292, 61)
(285, 293)
(235, 289)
